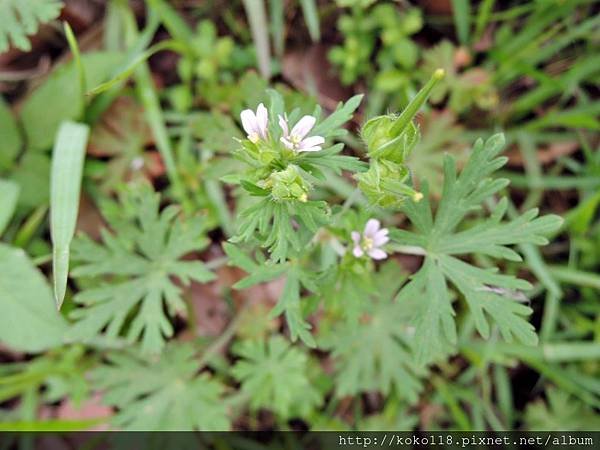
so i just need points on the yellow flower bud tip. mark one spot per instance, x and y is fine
(303, 198)
(439, 74)
(417, 197)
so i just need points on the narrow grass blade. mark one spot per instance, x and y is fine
(72, 40)
(257, 17)
(576, 277)
(9, 192)
(311, 17)
(483, 18)
(149, 97)
(276, 13)
(132, 63)
(65, 186)
(173, 22)
(462, 19)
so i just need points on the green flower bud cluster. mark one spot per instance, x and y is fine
(389, 140)
(287, 185)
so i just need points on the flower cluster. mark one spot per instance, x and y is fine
(256, 126)
(371, 240)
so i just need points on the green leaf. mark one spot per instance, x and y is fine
(343, 113)
(33, 177)
(311, 17)
(433, 319)
(9, 193)
(376, 355)
(272, 222)
(274, 375)
(489, 295)
(560, 410)
(29, 321)
(65, 187)
(62, 91)
(11, 137)
(289, 302)
(168, 393)
(462, 19)
(135, 269)
(257, 18)
(21, 18)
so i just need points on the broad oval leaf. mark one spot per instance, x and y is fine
(29, 321)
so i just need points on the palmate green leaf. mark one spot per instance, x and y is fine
(137, 265)
(21, 18)
(489, 295)
(274, 375)
(271, 222)
(166, 394)
(560, 410)
(376, 355)
(289, 303)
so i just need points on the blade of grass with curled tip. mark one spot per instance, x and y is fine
(65, 186)
(257, 17)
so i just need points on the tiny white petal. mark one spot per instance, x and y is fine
(287, 143)
(355, 237)
(249, 122)
(381, 237)
(312, 141)
(262, 120)
(284, 126)
(303, 126)
(371, 228)
(310, 149)
(377, 253)
(357, 251)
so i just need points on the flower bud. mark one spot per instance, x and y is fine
(384, 184)
(288, 185)
(392, 137)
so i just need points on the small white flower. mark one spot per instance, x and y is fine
(296, 139)
(371, 241)
(255, 125)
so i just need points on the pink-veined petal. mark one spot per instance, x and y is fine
(371, 228)
(355, 237)
(284, 126)
(357, 251)
(311, 141)
(377, 253)
(303, 126)
(381, 237)
(249, 122)
(262, 120)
